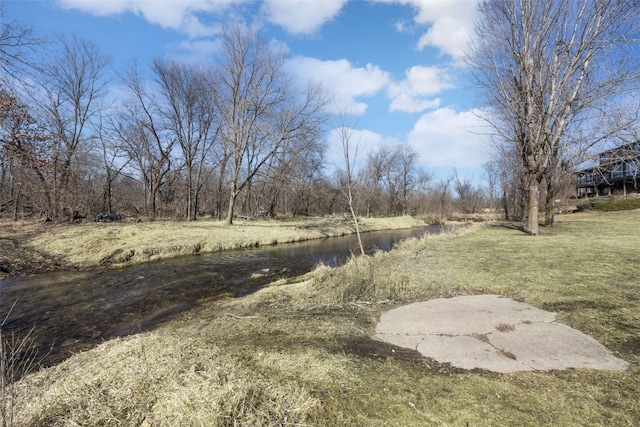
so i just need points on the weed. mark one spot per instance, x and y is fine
(18, 357)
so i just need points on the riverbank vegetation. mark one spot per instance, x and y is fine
(301, 352)
(27, 248)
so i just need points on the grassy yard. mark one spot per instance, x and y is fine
(300, 352)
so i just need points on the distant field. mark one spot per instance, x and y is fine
(300, 352)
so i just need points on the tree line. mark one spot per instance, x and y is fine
(241, 136)
(238, 136)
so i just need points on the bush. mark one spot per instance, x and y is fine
(619, 205)
(607, 204)
(591, 203)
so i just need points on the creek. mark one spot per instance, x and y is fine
(69, 312)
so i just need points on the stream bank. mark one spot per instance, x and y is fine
(74, 311)
(32, 248)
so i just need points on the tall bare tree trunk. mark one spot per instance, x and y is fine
(533, 228)
(549, 214)
(344, 133)
(232, 203)
(355, 219)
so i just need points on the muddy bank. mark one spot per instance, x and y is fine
(18, 260)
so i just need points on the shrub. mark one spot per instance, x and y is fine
(591, 203)
(619, 205)
(608, 204)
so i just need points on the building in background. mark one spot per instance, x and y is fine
(617, 172)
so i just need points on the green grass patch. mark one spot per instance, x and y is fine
(609, 204)
(301, 352)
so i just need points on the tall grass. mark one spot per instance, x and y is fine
(164, 380)
(18, 357)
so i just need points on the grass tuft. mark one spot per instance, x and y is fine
(155, 380)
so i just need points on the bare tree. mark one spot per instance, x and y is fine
(469, 196)
(410, 176)
(25, 160)
(287, 181)
(439, 200)
(142, 137)
(392, 174)
(112, 157)
(189, 114)
(17, 43)
(74, 83)
(349, 156)
(307, 171)
(220, 156)
(491, 176)
(511, 179)
(378, 167)
(548, 67)
(260, 106)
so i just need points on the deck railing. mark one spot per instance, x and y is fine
(596, 179)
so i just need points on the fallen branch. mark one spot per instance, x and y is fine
(235, 316)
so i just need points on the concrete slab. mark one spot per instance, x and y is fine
(406, 341)
(494, 333)
(476, 314)
(546, 346)
(468, 352)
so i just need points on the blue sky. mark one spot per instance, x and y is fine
(395, 64)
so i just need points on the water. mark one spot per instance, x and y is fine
(74, 311)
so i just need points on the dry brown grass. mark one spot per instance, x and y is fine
(89, 245)
(300, 352)
(159, 379)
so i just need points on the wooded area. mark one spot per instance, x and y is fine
(239, 136)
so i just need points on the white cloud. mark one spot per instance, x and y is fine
(401, 26)
(97, 7)
(415, 92)
(342, 80)
(176, 15)
(298, 17)
(450, 23)
(361, 142)
(197, 49)
(294, 16)
(446, 138)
